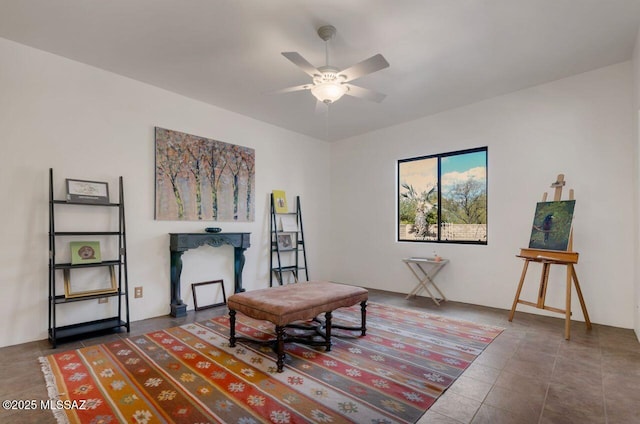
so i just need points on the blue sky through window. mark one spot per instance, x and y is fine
(457, 169)
(463, 163)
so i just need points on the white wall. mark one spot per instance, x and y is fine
(636, 114)
(87, 123)
(581, 126)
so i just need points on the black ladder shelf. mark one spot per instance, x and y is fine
(284, 257)
(117, 267)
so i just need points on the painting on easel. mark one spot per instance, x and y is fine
(552, 225)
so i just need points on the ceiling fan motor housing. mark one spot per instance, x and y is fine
(328, 74)
(327, 32)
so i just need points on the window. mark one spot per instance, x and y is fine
(443, 198)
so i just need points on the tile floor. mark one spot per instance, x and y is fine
(529, 374)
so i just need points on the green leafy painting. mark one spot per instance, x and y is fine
(552, 225)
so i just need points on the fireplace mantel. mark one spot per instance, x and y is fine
(181, 242)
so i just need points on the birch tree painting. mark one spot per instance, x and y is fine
(200, 179)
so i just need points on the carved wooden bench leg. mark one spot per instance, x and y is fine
(280, 346)
(363, 321)
(363, 313)
(327, 330)
(232, 328)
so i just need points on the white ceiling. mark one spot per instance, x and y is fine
(443, 53)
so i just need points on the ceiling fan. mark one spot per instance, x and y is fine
(329, 83)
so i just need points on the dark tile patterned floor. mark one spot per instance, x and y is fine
(529, 374)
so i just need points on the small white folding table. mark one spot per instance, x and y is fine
(425, 270)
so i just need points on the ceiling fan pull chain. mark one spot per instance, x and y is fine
(326, 123)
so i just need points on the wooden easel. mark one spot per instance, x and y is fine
(548, 258)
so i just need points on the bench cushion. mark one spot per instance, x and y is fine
(295, 302)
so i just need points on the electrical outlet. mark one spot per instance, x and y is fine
(137, 292)
(103, 300)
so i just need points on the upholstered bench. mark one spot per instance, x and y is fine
(284, 305)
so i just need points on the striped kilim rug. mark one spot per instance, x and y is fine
(189, 374)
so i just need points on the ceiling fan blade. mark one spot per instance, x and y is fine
(291, 89)
(301, 62)
(365, 93)
(367, 66)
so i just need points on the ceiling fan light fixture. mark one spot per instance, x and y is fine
(329, 92)
(331, 83)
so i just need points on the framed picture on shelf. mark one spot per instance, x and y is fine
(85, 252)
(87, 191)
(280, 201)
(206, 294)
(89, 281)
(285, 241)
(289, 223)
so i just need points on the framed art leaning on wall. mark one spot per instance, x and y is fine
(83, 191)
(285, 241)
(85, 252)
(205, 294)
(89, 281)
